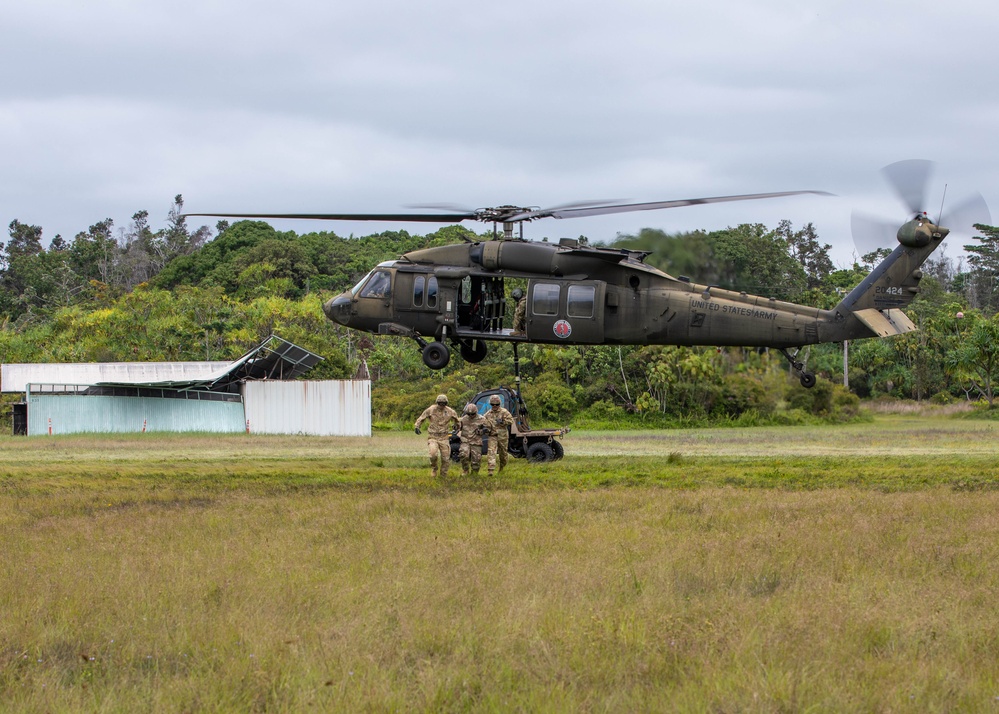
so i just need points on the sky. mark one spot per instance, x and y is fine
(109, 107)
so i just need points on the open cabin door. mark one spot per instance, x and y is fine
(481, 304)
(570, 311)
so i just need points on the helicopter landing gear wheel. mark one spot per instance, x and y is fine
(436, 355)
(473, 351)
(807, 379)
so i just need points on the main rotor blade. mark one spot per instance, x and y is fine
(442, 207)
(655, 205)
(909, 180)
(405, 217)
(584, 204)
(509, 214)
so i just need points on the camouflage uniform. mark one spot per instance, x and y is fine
(440, 416)
(471, 428)
(520, 317)
(497, 420)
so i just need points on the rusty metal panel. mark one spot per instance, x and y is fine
(319, 408)
(73, 414)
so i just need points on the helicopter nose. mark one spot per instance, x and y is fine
(339, 308)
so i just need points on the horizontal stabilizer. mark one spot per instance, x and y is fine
(886, 322)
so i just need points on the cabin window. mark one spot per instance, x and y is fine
(378, 285)
(418, 286)
(425, 290)
(432, 291)
(579, 300)
(545, 300)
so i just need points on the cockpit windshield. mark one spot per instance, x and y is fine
(362, 281)
(378, 285)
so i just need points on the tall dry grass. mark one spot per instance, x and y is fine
(213, 587)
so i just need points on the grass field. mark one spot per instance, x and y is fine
(847, 568)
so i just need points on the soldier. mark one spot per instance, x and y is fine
(498, 421)
(520, 313)
(471, 428)
(440, 416)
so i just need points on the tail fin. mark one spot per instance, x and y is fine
(878, 301)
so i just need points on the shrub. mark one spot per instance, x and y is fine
(550, 401)
(943, 398)
(846, 404)
(602, 411)
(817, 401)
(741, 393)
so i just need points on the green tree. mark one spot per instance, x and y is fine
(138, 256)
(976, 357)
(757, 260)
(803, 245)
(748, 257)
(270, 261)
(689, 254)
(176, 239)
(982, 283)
(26, 277)
(94, 255)
(213, 264)
(24, 240)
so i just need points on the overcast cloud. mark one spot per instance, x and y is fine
(107, 108)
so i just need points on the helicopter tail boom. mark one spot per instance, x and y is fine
(876, 304)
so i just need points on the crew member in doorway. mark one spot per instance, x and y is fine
(520, 313)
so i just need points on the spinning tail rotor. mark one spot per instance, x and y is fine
(910, 180)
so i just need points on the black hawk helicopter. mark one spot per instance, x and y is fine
(578, 294)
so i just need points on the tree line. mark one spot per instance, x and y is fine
(173, 293)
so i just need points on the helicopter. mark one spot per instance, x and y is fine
(580, 294)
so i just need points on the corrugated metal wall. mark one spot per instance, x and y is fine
(16, 377)
(74, 414)
(320, 408)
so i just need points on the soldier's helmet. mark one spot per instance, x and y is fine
(494, 400)
(517, 294)
(470, 409)
(442, 399)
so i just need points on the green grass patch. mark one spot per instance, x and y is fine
(830, 569)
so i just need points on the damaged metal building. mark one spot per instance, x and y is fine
(258, 393)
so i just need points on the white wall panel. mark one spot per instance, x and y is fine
(319, 408)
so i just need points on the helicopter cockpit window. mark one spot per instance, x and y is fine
(378, 285)
(432, 291)
(362, 281)
(579, 300)
(545, 299)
